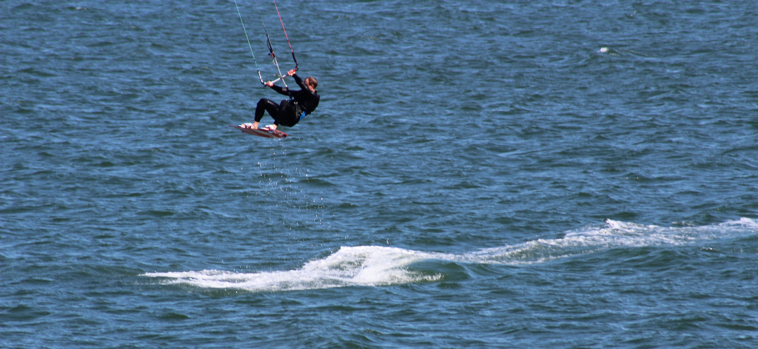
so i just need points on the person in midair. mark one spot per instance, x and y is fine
(289, 112)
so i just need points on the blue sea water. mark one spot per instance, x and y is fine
(479, 174)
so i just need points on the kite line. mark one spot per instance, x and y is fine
(268, 44)
(248, 41)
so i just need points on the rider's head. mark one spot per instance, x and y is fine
(312, 82)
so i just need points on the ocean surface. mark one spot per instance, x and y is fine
(479, 174)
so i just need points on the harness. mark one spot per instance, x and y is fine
(302, 114)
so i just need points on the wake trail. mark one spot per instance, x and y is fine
(382, 266)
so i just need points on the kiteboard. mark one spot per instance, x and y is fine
(265, 132)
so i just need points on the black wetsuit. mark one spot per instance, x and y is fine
(289, 112)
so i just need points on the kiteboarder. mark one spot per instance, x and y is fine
(289, 111)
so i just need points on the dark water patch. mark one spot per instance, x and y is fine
(23, 313)
(34, 280)
(172, 316)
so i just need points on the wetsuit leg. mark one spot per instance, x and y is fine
(266, 105)
(287, 114)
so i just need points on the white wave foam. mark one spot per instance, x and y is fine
(378, 266)
(350, 266)
(613, 234)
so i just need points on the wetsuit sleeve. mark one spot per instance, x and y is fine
(299, 82)
(283, 90)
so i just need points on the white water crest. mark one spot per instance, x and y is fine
(381, 266)
(350, 266)
(613, 234)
